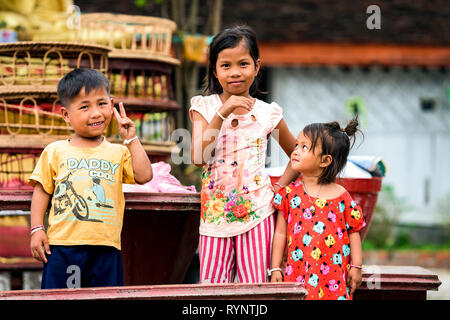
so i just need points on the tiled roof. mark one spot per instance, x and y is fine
(422, 22)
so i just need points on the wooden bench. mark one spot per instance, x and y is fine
(396, 283)
(379, 283)
(234, 291)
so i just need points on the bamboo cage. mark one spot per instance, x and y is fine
(15, 169)
(129, 36)
(31, 66)
(136, 58)
(32, 114)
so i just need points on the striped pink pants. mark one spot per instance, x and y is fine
(247, 255)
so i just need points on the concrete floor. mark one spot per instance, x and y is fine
(444, 288)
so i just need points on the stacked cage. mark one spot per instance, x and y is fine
(141, 73)
(29, 106)
(132, 51)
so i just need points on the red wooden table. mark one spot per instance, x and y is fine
(159, 239)
(159, 234)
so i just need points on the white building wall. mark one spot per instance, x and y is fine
(415, 144)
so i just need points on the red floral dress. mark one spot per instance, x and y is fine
(317, 242)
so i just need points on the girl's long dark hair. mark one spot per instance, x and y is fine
(230, 38)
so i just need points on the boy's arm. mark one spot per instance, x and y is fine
(142, 167)
(39, 204)
(279, 242)
(141, 163)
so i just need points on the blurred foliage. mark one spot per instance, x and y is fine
(443, 209)
(382, 232)
(387, 212)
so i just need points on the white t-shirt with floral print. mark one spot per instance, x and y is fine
(236, 191)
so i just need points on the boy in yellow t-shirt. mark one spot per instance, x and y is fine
(83, 176)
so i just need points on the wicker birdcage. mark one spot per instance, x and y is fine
(129, 36)
(31, 119)
(15, 169)
(38, 66)
(29, 74)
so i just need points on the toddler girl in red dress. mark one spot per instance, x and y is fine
(317, 219)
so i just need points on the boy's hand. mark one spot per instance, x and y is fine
(39, 240)
(354, 279)
(276, 276)
(127, 128)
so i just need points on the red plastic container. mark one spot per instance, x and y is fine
(363, 191)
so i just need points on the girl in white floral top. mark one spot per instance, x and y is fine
(230, 134)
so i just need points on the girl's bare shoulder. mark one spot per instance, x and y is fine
(333, 190)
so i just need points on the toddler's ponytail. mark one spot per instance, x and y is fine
(352, 127)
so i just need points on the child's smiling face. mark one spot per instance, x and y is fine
(236, 70)
(89, 114)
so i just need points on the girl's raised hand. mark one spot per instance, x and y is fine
(127, 128)
(234, 102)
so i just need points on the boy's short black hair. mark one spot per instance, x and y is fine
(72, 83)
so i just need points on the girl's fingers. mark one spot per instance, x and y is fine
(245, 102)
(250, 103)
(353, 286)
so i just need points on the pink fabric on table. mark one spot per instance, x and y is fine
(162, 181)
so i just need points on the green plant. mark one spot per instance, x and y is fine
(381, 233)
(443, 209)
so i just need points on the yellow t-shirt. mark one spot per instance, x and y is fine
(87, 205)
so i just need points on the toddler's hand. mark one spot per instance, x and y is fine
(354, 279)
(276, 276)
(38, 240)
(127, 128)
(235, 102)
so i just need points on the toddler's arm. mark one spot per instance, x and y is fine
(279, 243)
(355, 274)
(39, 204)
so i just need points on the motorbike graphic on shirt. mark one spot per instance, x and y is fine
(67, 198)
(79, 193)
